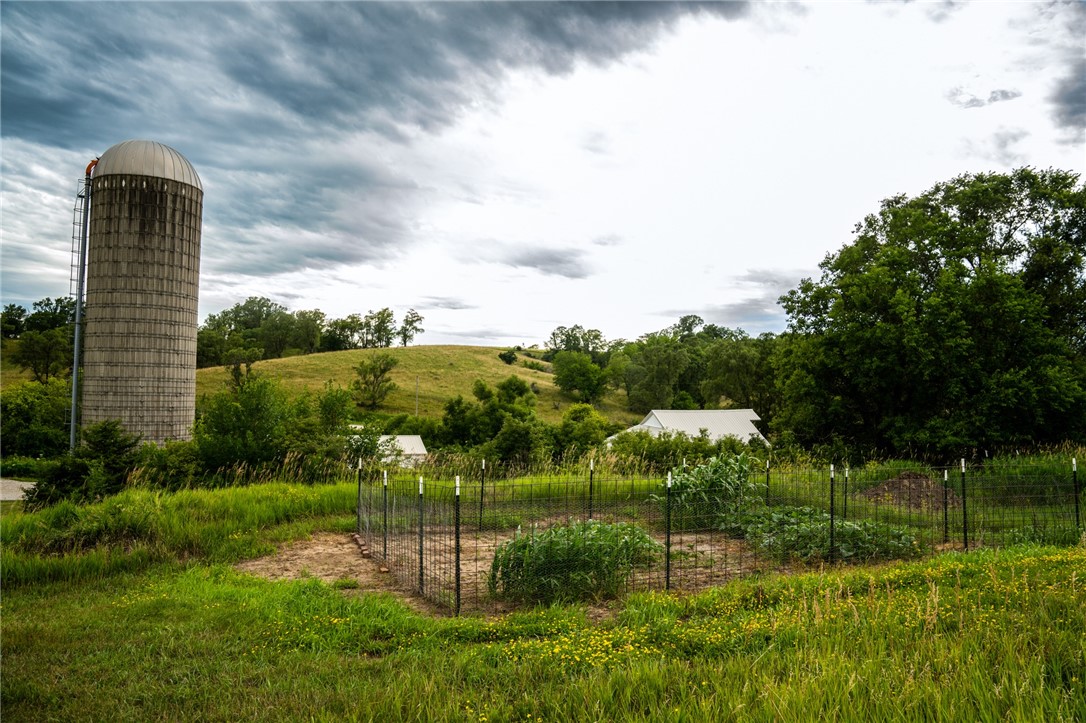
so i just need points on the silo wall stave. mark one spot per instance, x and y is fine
(143, 277)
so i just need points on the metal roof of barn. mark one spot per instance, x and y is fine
(717, 423)
(409, 444)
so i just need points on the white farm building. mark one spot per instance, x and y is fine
(717, 423)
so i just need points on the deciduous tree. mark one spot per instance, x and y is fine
(953, 320)
(12, 321)
(374, 381)
(575, 374)
(46, 353)
(411, 327)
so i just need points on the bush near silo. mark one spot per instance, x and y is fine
(255, 422)
(99, 467)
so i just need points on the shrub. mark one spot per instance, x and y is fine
(508, 356)
(26, 467)
(576, 561)
(33, 418)
(65, 479)
(173, 466)
(98, 468)
(802, 533)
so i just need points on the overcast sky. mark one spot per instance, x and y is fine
(505, 169)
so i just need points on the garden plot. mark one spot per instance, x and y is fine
(699, 560)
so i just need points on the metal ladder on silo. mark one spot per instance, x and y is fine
(80, 213)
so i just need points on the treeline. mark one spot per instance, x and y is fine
(689, 365)
(259, 328)
(955, 321)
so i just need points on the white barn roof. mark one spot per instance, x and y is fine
(717, 423)
(409, 444)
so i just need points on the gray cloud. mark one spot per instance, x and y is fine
(487, 336)
(610, 239)
(757, 312)
(1069, 99)
(1000, 147)
(943, 10)
(444, 302)
(264, 99)
(567, 262)
(999, 95)
(596, 142)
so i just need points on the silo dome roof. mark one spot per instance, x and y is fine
(147, 158)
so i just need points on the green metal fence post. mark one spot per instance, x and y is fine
(965, 514)
(456, 524)
(667, 534)
(833, 522)
(421, 569)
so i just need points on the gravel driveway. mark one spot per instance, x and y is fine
(12, 489)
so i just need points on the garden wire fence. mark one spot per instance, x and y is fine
(490, 538)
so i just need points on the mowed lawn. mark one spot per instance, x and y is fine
(145, 618)
(438, 373)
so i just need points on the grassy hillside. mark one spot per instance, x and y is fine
(10, 373)
(441, 373)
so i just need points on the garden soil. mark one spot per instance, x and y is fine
(333, 557)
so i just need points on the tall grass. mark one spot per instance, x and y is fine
(992, 635)
(138, 527)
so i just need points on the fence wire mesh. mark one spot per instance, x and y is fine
(483, 539)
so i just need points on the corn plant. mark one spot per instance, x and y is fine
(722, 486)
(588, 560)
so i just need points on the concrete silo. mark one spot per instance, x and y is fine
(142, 286)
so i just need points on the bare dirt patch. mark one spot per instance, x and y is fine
(331, 557)
(913, 490)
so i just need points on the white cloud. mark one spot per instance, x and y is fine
(625, 180)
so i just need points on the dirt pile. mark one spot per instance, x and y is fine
(914, 491)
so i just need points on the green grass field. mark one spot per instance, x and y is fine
(131, 610)
(10, 373)
(441, 372)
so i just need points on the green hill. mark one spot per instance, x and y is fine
(10, 373)
(438, 372)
